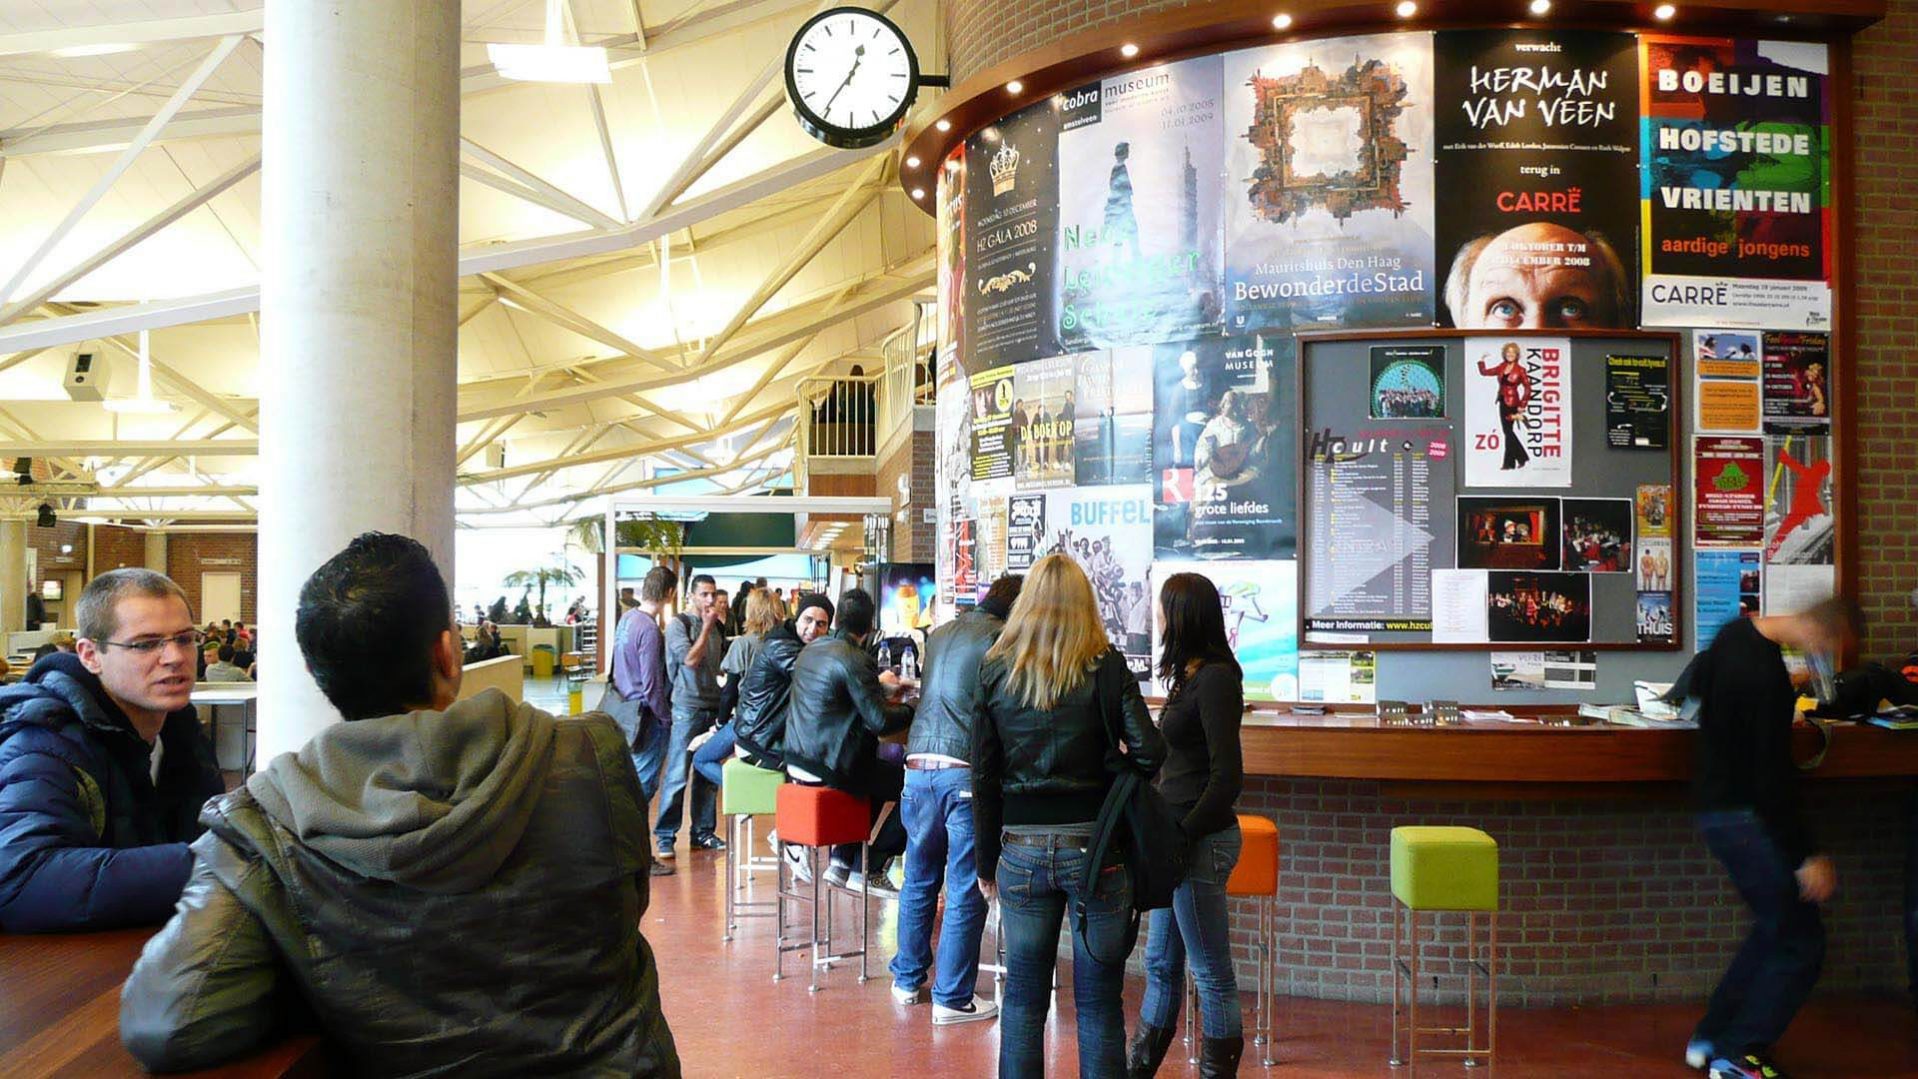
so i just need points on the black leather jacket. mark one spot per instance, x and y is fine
(839, 710)
(1054, 766)
(765, 698)
(953, 652)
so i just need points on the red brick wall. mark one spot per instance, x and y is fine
(912, 538)
(115, 547)
(187, 553)
(980, 33)
(48, 542)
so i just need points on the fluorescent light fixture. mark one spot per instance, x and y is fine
(98, 49)
(550, 63)
(1281, 21)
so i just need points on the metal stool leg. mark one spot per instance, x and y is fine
(732, 881)
(1398, 918)
(1412, 1015)
(812, 860)
(779, 919)
(1471, 988)
(865, 906)
(1268, 980)
(1491, 1010)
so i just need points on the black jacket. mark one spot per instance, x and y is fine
(765, 697)
(839, 710)
(1053, 767)
(953, 653)
(1743, 759)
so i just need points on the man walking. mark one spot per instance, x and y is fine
(639, 691)
(695, 645)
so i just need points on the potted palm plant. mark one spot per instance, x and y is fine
(557, 574)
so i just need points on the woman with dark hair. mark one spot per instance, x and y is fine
(1201, 781)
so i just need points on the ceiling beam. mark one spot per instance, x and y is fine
(141, 32)
(617, 453)
(109, 447)
(553, 197)
(517, 295)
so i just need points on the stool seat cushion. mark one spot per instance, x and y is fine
(745, 790)
(1258, 870)
(1444, 868)
(821, 816)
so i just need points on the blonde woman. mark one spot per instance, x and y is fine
(764, 610)
(1043, 758)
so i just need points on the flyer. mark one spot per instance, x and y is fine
(1369, 527)
(1655, 625)
(1521, 532)
(1736, 186)
(1654, 509)
(1223, 461)
(950, 215)
(1108, 531)
(1518, 412)
(1538, 606)
(1728, 588)
(1638, 402)
(1536, 671)
(989, 548)
(1408, 382)
(1041, 423)
(1654, 572)
(1797, 383)
(1011, 224)
(1729, 476)
(1459, 609)
(1537, 157)
(995, 438)
(1789, 589)
(1727, 405)
(1139, 249)
(1261, 620)
(1025, 530)
(1726, 354)
(1598, 535)
(1799, 526)
(1339, 677)
(965, 566)
(1328, 184)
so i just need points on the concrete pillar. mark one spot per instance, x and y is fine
(360, 226)
(13, 576)
(156, 552)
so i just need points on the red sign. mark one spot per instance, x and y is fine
(1730, 480)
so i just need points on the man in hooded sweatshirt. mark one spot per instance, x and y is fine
(446, 888)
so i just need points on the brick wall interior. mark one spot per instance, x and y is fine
(912, 538)
(116, 548)
(49, 541)
(186, 557)
(981, 33)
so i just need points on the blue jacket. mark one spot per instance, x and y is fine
(87, 839)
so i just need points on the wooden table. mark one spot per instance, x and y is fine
(60, 1011)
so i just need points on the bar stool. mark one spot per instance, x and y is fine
(815, 817)
(1255, 877)
(1438, 869)
(745, 792)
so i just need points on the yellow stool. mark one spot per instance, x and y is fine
(1451, 870)
(745, 792)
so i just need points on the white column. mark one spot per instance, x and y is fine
(360, 226)
(156, 552)
(13, 576)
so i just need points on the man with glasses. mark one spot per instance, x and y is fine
(103, 765)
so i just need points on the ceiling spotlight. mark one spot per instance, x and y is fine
(943, 125)
(1664, 12)
(918, 193)
(1128, 50)
(1281, 22)
(1541, 7)
(912, 162)
(46, 518)
(1407, 9)
(1015, 87)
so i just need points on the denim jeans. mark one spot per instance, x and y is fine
(647, 758)
(1041, 888)
(937, 809)
(1196, 929)
(1775, 969)
(679, 775)
(709, 760)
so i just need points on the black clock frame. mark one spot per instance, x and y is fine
(852, 138)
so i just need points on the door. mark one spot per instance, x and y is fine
(71, 582)
(219, 597)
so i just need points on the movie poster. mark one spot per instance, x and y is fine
(1138, 253)
(1800, 528)
(965, 563)
(1011, 222)
(950, 217)
(1408, 382)
(1538, 606)
(1328, 185)
(1655, 564)
(1598, 535)
(1042, 411)
(1653, 509)
(1223, 448)
(1727, 364)
(1370, 527)
(1797, 383)
(995, 437)
(1112, 417)
(1261, 620)
(1025, 529)
(1728, 588)
(1108, 531)
(1518, 412)
(1655, 625)
(1638, 402)
(1728, 473)
(1537, 135)
(1736, 187)
(1521, 532)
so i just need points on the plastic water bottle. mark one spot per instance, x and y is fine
(909, 663)
(885, 655)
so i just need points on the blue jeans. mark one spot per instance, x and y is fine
(679, 775)
(709, 760)
(1775, 969)
(647, 759)
(937, 809)
(1197, 929)
(1039, 888)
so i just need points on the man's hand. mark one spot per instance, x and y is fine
(708, 616)
(889, 679)
(989, 889)
(1817, 879)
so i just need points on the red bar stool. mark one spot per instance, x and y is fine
(1256, 877)
(815, 817)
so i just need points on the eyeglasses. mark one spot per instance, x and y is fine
(191, 640)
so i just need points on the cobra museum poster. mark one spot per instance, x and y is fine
(1328, 184)
(1538, 158)
(1224, 448)
(1138, 251)
(1737, 183)
(1012, 215)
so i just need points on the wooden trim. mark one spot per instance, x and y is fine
(1844, 330)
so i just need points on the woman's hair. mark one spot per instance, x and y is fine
(1194, 628)
(1510, 351)
(1053, 636)
(763, 611)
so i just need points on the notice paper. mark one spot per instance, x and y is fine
(1544, 670)
(1458, 607)
(1339, 677)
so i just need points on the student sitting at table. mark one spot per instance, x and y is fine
(223, 669)
(103, 765)
(450, 888)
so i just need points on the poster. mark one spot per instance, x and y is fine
(1799, 526)
(1797, 383)
(1459, 610)
(1534, 671)
(950, 219)
(1727, 405)
(1655, 625)
(1729, 475)
(1653, 502)
(1408, 382)
(1369, 526)
(1736, 187)
(1654, 571)
(1112, 417)
(1598, 535)
(1538, 606)
(1790, 589)
(1537, 154)
(995, 438)
(1328, 184)
(1728, 588)
(1638, 402)
(1521, 532)
(1518, 412)
(1223, 460)
(1138, 254)
(952, 485)
(1339, 677)
(1108, 531)
(1011, 223)
(1025, 530)
(906, 597)
(1041, 422)
(965, 565)
(1261, 620)
(989, 550)
(1726, 354)
(1726, 366)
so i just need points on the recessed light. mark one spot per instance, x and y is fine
(1015, 87)
(1128, 50)
(1281, 22)
(1664, 12)
(1407, 9)
(1541, 7)
(918, 192)
(912, 162)
(943, 125)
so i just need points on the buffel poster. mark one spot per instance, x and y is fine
(1011, 223)
(1537, 154)
(1223, 449)
(951, 218)
(1108, 531)
(1518, 412)
(1736, 186)
(1261, 620)
(1112, 416)
(1139, 254)
(1328, 184)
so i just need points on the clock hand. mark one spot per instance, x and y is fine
(858, 57)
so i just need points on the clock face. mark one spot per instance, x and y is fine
(851, 75)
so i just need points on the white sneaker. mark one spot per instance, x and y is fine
(908, 996)
(802, 869)
(877, 888)
(980, 1008)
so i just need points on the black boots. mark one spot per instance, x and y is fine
(1219, 1057)
(1148, 1049)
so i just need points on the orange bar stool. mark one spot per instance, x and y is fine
(1256, 877)
(1445, 870)
(745, 792)
(815, 817)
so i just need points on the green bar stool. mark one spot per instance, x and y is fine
(1454, 870)
(745, 792)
